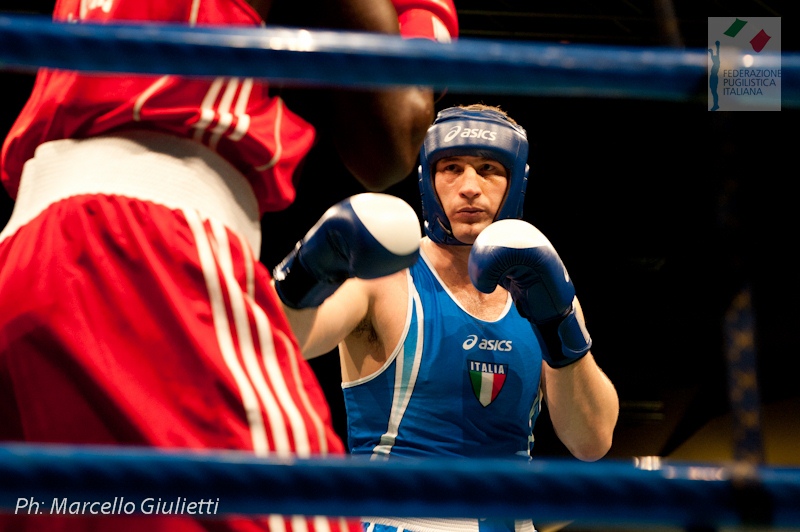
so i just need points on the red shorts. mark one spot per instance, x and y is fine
(133, 312)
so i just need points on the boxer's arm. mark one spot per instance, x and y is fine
(320, 329)
(377, 133)
(581, 400)
(384, 133)
(399, 118)
(366, 236)
(583, 407)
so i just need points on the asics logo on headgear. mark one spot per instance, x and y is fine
(470, 133)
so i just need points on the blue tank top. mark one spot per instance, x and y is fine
(455, 385)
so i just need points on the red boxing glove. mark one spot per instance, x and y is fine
(427, 19)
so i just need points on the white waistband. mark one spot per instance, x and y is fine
(440, 525)
(170, 171)
(427, 524)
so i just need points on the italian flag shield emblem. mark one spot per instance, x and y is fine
(487, 379)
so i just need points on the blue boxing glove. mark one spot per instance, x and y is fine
(368, 235)
(517, 256)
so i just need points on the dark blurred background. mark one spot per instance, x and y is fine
(661, 211)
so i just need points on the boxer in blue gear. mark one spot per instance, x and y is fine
(436, 362)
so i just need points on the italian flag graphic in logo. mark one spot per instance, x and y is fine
(487, 379)
(758, 42)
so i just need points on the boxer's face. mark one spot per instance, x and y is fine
(471, 191)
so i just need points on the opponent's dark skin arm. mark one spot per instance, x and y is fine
(378, 134)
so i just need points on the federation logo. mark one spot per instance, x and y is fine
(487, 380)
(744, 64)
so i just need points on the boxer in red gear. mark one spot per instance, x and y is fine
(133, 306)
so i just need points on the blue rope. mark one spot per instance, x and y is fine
(604, 492)
(349, 59)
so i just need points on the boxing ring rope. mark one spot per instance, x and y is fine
(368, 60)
(609, 492)
(606, 492)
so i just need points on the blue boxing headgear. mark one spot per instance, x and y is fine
(486, 133)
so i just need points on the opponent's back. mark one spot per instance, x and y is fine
(233, 116)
